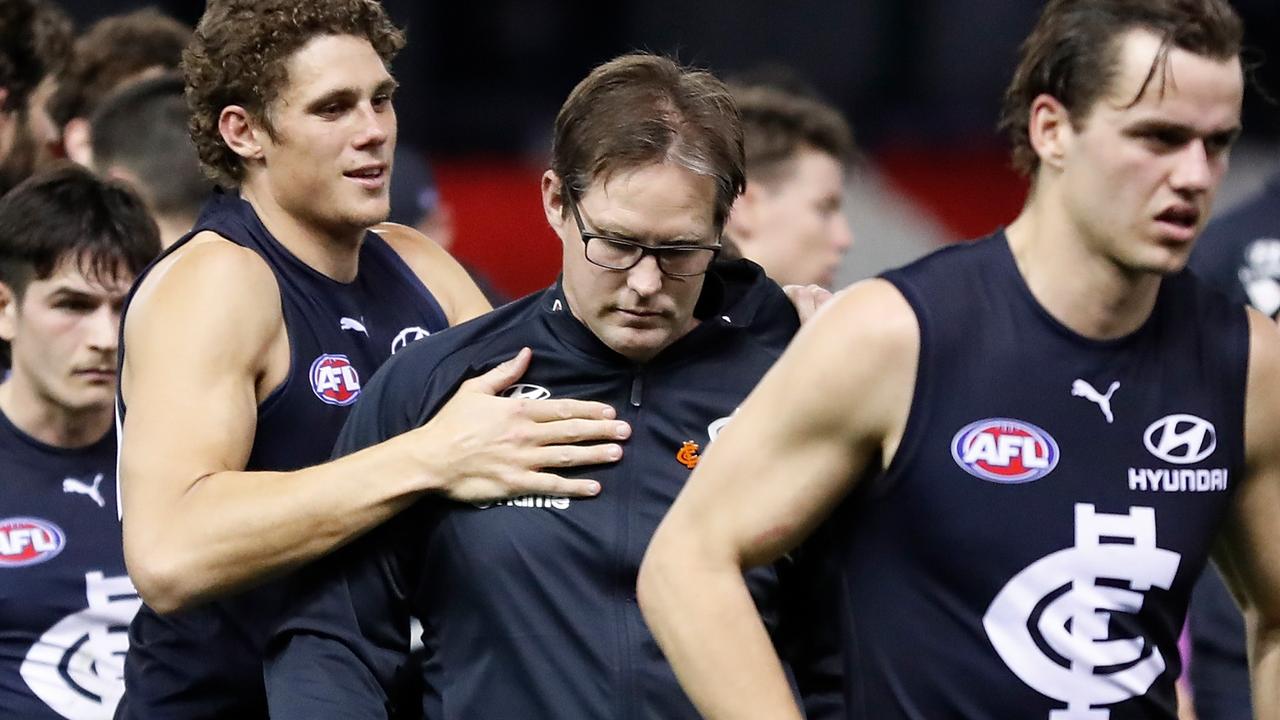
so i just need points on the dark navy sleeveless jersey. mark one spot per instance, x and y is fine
(206, 662)
(1030, 550)
(528, 605)
(65, 599)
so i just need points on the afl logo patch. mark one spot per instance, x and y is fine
(1004, 451)
(334, 380)
(29, 541)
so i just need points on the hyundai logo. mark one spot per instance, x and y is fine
(1181, 439)
(406, 336)
(525, 391)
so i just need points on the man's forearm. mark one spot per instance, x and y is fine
(707, 624)
(234, 529)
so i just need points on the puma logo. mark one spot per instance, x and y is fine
(1080, 388)
(72, 485)
(346, 323)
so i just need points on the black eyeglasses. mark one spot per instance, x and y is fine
(618, 254)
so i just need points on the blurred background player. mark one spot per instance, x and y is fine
(112, 52)
(1240, 251)
(140, 136)
(70, 245)
(416, 202)
(35, 43)
(791, 220)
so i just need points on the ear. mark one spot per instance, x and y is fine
(240, 132)
(553, 203)
(76, 142)
(1050, 130)
(8, 313)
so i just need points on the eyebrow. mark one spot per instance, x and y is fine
(1155, 125)
(349, 94)
(679, 240)
(98, 291)
(72, 291)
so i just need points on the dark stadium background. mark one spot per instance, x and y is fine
(920, 79)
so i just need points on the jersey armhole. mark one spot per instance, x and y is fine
(1243, 346)
(887, 480)
(397, 264)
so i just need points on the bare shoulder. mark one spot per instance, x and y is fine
(854, 364)
(210, 293)
(447, 280)
(410, 244)
(208, 263)
(870, 321)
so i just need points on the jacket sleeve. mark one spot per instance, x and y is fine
(343, 641)
(806, 641)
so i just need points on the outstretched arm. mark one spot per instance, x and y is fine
(199, 362)
(829, 412)
(1248, 553)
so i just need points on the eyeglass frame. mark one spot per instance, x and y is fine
(655, 251)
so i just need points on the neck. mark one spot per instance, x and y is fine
(49, 423)
(1083, 289)
(173, 227)
(332, 252)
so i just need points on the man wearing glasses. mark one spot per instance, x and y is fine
(528, 605)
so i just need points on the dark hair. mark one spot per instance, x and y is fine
(642, 109)
(143, 128)
(1073, 51)
(35, 41)
(68, 214)
(111, 52)
(777, 124)
(240, 53)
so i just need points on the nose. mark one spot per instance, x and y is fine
(1195, 169)
(645, 279)
(376, 125)
(841, 233)
(104, 329)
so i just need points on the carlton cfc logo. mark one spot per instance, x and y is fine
(1004, 451)
(29, 541)
(334, 380)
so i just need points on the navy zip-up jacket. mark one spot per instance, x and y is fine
(528, 605)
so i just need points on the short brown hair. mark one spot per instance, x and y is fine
(240, 53)
(66, 214)
(1073, 51)
(111, 52)
(642, 109)
(35, 41)
(778, 123)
